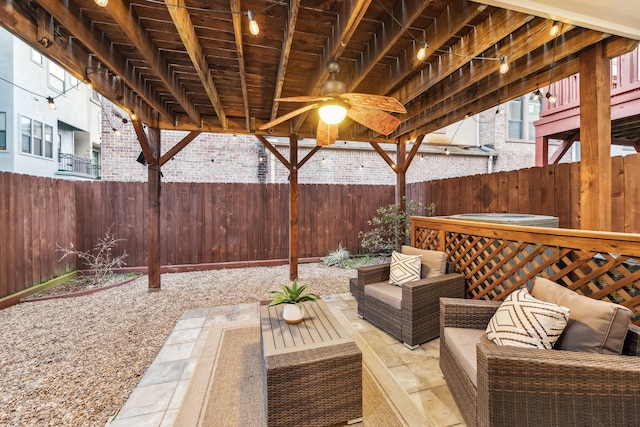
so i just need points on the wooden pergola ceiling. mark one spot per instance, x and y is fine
(193, 64)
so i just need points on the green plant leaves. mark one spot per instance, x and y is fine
(293, 294)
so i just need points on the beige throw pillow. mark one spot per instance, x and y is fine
(404, 268)
(594, 326)
(523, 321)
(435, 262)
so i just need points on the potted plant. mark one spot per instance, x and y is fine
(292, 297)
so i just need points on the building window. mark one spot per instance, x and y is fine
(48, 141)
(3, 131)
(37, 138)
(36, 56)
(56, 77)
(522, 112)
(25, 125)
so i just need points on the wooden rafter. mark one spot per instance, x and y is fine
(236, 15)
(387, 35)
(294, 6)
(178, 147)
(563, 148)
(189, 38)
(139, 37)
(71, 18)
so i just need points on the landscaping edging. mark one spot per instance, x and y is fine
(81, 293)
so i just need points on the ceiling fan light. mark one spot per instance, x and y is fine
(332, 114)
(101, 3)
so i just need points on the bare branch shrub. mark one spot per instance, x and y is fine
(100, 259)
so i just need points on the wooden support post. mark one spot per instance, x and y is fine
(595, 138)
(153, 210)
(293, 207)
(542, 150)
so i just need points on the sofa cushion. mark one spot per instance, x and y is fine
(386, 293)
(594, 326)
(462, 343)
(434, 262)
(404, 268)
(523, 321)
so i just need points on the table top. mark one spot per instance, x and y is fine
(318, 329)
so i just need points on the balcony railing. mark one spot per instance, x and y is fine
(77, 165)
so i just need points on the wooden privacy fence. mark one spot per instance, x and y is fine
(498, 259)
(548, 190)
(200, 222)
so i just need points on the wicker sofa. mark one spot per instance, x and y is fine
(417, 319)
(529, 386)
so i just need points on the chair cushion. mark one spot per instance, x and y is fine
(462, 343)
(434, 262)
(404, 268)
(594, 326)
(386, 293)
(523, 321)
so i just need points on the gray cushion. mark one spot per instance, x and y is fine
(389, 294)
(594, 326)
(462, 343)
(436, 261)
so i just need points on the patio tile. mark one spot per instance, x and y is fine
(445, 396)
(165, 372)
(389, 357)
(148, 400)
(190, 323)
(429, 373)
(183, 336)
(408, 379)
(409, 356)
(169, 418)
(180, 351)
(196, 312)
(432, 348)
(190, 366)
(434, 409)
(245, 312)
(179, 393)
(145, 420)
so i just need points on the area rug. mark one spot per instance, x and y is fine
(226, 388)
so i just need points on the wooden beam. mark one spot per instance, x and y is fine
(412, 153)
(563, 148)
(236, 16)
(294, 6)
(153, 212)
(595, 139)
(186, 31)
(178, 147)
(347, 21)
(309, 155)
(294, 211)
(149, 156)
(274, 151)
(72, 18)
(132, 27)
(385, 156)
(391, 29)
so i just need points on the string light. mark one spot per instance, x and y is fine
(116, 131)
(253, 25)
(133, 115)
(504, 65)
(52, 104)
(537, 94)
(555, 29)
(446, 152)
(551, 98)
(422, 52)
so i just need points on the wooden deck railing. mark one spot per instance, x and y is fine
(497, 259)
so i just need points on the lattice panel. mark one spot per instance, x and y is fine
(494, 267)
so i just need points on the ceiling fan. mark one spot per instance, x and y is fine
(334, 104)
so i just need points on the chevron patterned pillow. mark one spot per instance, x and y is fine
(523, 321)
(404, 268)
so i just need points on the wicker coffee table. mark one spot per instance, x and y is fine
(312, 370)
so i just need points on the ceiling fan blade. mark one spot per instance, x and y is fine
(303, 99)
(326, 133)
(287, 116)
(379, 121)
(379, 102)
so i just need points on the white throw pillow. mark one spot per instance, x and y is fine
(404, 268)
(523, 321)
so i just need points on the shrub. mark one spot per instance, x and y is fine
(340, 258)
(100, 259)
(391, 227)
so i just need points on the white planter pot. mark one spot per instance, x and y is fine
(292, 314)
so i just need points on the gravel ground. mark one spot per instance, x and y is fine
(75, 361)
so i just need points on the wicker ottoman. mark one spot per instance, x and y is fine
(312, 370)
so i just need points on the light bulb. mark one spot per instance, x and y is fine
(52, 105)
(116, 132)
(504, 65)
(102, 3)
(422, 52)
(555, 29)
(551, 98)
(133, 116)
(536, 95)
(332, 113)
(253, 25)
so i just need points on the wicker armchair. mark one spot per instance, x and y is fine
(418, 319)
(523, 386)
